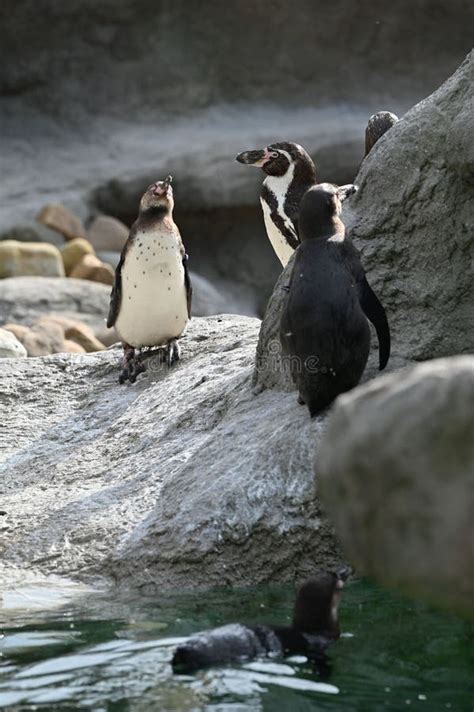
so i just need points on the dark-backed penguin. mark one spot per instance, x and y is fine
(377, 125)
(150, 304)
(324, 331)
(314, 626)
(290, 172)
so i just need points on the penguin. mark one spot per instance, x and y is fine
(377, 125)
(323, 330)
(314, 626)
(150, 303)
(290, 173)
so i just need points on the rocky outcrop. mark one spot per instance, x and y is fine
(412, 220)
(396, 469)
(162, 484)
(271, 370)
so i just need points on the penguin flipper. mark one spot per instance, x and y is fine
(375, 313)
(116, 294)
(187, 284)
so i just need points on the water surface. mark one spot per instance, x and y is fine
(112, 655)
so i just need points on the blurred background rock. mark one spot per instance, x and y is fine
(99, 98)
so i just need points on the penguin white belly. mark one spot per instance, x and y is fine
(282, 249)
(153, 307)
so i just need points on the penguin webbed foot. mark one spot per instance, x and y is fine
(132, 365)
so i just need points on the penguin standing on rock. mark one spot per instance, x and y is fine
(150, 304)
(324, 331)
(314, 626)
(290, 172)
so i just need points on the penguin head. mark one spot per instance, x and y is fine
(159, 196)
(377, 125)
(317, 602)
(321, 206)
(276, 159)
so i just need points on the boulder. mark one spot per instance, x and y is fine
(163, 484)
(107, 233)
(411, 220)
(73, 252)
(18, 259)
(396, 472)
(41, 339)
(25, 299)
(72, 347)
(57, 217)
(84, 336)
(10, 346)
(91, 268)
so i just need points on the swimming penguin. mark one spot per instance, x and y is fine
(377, 125)
(323, 330)
(290, 172)
(150, 304)
(314, 626)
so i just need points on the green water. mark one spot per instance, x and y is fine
(113, 655)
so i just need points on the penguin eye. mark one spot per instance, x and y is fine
(274, 154)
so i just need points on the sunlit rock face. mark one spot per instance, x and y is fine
(186, 479)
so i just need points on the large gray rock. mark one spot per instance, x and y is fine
(25, 299)
(163, 483)
(396, 470)
(412, 220)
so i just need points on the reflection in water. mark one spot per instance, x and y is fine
(103, 655)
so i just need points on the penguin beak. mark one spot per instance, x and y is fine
(162, 187)
(255, 158)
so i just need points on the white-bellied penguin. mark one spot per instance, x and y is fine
(150, 304)
(324, 331)
(290, 172)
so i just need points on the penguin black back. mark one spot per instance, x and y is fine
(324, 331)
(314, 626)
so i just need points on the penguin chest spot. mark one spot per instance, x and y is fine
(153, 306)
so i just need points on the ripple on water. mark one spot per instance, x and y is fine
(398, 655)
